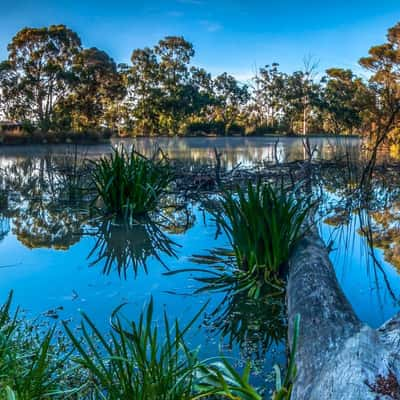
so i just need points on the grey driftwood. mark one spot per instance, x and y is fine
(338, 357)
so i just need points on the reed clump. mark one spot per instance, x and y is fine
(128, 184)
(263, 224)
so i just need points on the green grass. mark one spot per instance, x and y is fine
(137, 363)
(128, 184)
(283, 389)
(32, 365)
(263, 225)
(138, 360)
(134, 363)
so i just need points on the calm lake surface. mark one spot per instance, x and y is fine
(60, 260)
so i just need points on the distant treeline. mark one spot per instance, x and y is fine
(51, 84)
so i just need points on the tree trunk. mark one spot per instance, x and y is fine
(305, 120)
(338, 357)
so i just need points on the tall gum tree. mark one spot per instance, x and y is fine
(96, 87)
(384, 64)
(345, 97)
(37, 74)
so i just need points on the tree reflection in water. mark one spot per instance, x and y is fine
(370, 210)
(4, 218)
(255, 325)
(42, 201)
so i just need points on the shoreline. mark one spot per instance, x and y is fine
(10, 141)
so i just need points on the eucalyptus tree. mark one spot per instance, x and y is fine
(96, 87)
(384, 64)
(37, 74)
(164, 90)
(302, 100)
(384, 111)
(231, 97)
(202, 83)
(268, 95)
(144, 93)
(345, 98)
(179, 96)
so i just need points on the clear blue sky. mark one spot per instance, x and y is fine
(233, 36)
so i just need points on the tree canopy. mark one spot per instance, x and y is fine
(51, 83)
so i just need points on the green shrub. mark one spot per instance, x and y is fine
(263, 225)
(129, 184)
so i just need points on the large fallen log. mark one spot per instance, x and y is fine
(338, 357)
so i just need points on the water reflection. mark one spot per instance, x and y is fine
(252, 324)
(125, 247)
(42, 202)
(255, 325)
(45, 201)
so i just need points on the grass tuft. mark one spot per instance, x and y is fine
(129, 184)
(263, 225)
(32, 364)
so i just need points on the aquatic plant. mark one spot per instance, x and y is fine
(32, 366)
(283, 389)
(135, 363)
(129, 184)
(250, 315)
(220, 379)
(132, 363)
(263, 224)
(137, 360)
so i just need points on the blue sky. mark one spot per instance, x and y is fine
(233, 36)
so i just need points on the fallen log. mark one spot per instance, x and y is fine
(338, 357)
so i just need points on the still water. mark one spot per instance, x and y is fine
(59, 260)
